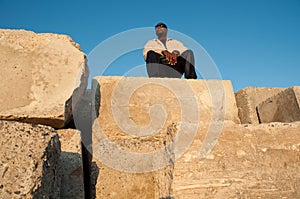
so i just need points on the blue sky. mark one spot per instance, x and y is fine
(252, 42)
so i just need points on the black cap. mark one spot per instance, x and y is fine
(161, 24)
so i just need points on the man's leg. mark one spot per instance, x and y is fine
(152, 64)
(187, 61)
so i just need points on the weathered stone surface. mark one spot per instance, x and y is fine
(41, 74)
(249, 98)
(116, 184)
(179, 98)
(283, 107)
(29, 161)
(139, 156)
(134, 124)
(249, 161)
(113, 178)
(71, 161)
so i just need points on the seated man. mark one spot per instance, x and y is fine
(167, 57)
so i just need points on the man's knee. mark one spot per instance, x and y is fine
(152, 57)
(187, 53)
(150, 53)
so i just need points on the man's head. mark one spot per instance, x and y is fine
(161, 29)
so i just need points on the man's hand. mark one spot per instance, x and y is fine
(171, 57)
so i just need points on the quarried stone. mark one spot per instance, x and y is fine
(42, 77)
(283, 107)
(29, 161)
(249, 98)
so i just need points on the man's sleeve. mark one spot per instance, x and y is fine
(151, 45)
(179, 46)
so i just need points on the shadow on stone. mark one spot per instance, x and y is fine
(84, 115)
(93, 177)
(72, 175)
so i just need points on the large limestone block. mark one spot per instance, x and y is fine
(136, 100)
(249, 161)
(121, 185)
(71, 160)
(283, 107)
(42, 75)
(249, 98)
(29, 161)
(118, 175)
(135, 124)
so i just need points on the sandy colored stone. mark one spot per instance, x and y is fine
(71, 160)
(174, 99)
(29, 161)
(249, 98)
(40, 74)
(283, 107)
(113, 182)
(146, 146)
(134, 124)
(249, 161)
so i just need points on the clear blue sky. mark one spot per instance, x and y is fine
(252, 42)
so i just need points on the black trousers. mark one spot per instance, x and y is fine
(157, 65)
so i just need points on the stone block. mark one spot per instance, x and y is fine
(135, 121)
(283, 107)
(249, 98)
(29, 161)
(138, 98)
(248, 161)
(42, 77)
(71, 160)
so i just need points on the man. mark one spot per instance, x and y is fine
(167, 57)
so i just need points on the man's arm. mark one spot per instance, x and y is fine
(177, 47)
(154, 46)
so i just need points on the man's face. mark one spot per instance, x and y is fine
(161, 31)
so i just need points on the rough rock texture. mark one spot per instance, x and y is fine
(113, 182)
(29, 161)
(135, 120)
(71, 161)
(249, 98)
(207, 99)
(42, 75)
(249, 161)
(283, 107)
(149, 142)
